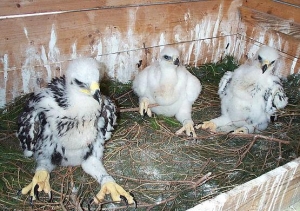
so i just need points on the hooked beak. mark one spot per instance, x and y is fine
(176, 62)
(264, 66)
(95, 91)
(97, 95)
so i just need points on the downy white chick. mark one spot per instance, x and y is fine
(171, 86)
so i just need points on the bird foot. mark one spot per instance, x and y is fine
(117, 193)
(241, 130)
(40, 182)
(188, 128)
(144, 103)
(207, 125)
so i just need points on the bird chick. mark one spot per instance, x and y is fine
(250, 95)
(67, 124)
(169, 85)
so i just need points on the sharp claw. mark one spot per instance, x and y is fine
(124, 199)
(135, 202)
(19, 192)
(31, 201)
(50, 196)
(35, 192)
(231, 131)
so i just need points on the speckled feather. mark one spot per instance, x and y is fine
(62, 126)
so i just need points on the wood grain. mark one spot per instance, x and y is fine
(275, 190)
(274, 8)
(36, 46)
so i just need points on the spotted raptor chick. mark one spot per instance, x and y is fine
(66, 124)
(250, 95)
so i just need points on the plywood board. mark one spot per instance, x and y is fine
(21, 7)
(35, 46)
(21, 80)
(275, 8)
(275, 190)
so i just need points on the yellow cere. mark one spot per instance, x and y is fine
(94, 86)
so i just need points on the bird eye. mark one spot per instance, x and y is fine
(166, 57)
(259, 58)
(79, 83)
(272, 62)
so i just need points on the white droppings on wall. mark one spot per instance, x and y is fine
(29, 75)
(293, 65)
(162, 41)
(218, 21)
(74, 51)
(46, 63)
(26, 33)
(98, 49)
(4, 60)
(53, 54)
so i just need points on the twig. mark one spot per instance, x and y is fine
(242, 136)
(245, 152)
(121, 110)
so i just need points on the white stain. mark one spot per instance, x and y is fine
(44, 58)
(187, 16)
(4, 60)
(27, 70)
(218, 21)
(74, 51)
(53, 54)
(292, 71)
(162, 41)
(26, 33)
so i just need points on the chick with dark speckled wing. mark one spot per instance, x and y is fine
(66, 124)
(250, 95)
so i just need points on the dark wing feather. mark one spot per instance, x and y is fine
(33, 119)
(30, 124)
(107, 118)
(58, 87)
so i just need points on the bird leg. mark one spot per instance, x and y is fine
(188, 128)
(40, 182)
(144, 107)
(116, 191)
(208, 125)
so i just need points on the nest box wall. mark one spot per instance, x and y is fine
(38, 38)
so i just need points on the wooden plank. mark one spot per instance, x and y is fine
(32, 78)
(290, 2)
(19, 7)
(36, 45)
(275, 190)
(274, 8)
(270, 22)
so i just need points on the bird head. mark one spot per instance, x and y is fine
(170, 56)
(267, 57)
(83, 76)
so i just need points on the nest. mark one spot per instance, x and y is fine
(162, 170)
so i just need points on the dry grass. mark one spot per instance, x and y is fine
(162, 170)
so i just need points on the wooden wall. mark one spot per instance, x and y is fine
(38, 37)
